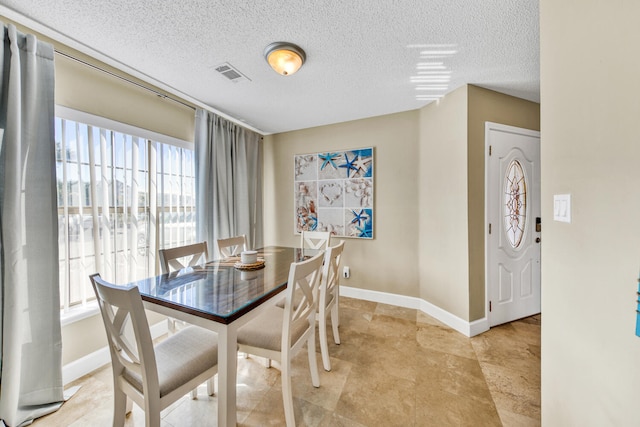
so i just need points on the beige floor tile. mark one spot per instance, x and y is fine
(350, 344)
(358, 304)
(395, 311)
(331, 383)
(354, 320)
(335, 420)
(444, 339)
(453, 374)
(514, 391)
(509, 419)
(508, 347)
(374, 398)
(384, 326)
(438, 408)
(385, 354)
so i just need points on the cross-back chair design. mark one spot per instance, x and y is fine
(329, 298)
(280, 334)
(190, 255)
(151, 377)
(315, 239)
(193, 254)
(232, 246)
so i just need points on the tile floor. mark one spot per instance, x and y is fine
(395, 367)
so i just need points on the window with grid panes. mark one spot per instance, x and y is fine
(123, 193)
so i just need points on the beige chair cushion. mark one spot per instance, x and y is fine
(297, 299)
(265, 331)
(180, 358)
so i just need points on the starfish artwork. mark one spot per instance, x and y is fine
(361, 164)
(313, 223)
(333, 191)
(366, 231)
(328, 159)
(359, 217)
(349, 165)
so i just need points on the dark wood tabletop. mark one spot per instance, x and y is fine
(217, 290)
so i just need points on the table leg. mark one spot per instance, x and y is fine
(227, 371)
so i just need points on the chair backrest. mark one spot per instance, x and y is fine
(117, 305)
(330, 274)
(315, 239)
(300, 297)
(192, 254)
(232, 246)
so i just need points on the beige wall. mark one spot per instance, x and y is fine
(388, 262)
(486, 106)
(443, 243)
(84, 88)
(590, 90)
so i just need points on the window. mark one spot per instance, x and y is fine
(123, 193)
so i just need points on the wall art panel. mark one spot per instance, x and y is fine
(333, 191)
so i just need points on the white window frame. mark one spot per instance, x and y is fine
(91, 308)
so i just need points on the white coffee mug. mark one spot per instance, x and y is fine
(249, 257)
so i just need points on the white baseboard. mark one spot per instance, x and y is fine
(468, 329)
(89, 363)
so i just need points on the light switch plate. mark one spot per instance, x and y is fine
(562, 207)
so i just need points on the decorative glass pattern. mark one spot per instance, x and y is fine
(515, 203)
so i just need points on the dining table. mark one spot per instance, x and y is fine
(222, 295)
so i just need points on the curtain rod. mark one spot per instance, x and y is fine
(159, 94)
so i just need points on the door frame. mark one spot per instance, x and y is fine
(488, 127)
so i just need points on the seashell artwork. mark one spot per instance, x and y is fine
(333, 191)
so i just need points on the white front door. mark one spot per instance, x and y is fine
(514, 231)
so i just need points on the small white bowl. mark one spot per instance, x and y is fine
(249, 257)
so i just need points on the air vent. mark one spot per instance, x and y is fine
(231, 73)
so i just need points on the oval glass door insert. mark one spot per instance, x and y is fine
(515, 203)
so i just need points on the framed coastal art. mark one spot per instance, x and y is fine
(333, 191)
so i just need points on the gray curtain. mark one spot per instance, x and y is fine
(30, 336)
(228, 180)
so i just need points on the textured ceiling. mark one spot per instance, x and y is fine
(361, 55)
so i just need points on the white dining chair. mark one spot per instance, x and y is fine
(152, 377)
(328, 298)
(232, 246)
(280, 334)
(172, 259)
(315, 239)
(183, 256)
(329, 295)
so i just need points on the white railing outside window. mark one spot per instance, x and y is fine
(123, 193)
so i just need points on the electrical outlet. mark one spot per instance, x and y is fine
(346, 273)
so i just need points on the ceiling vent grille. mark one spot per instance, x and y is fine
(231, 73)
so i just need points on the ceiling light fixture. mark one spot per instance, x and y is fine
(285, 58)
